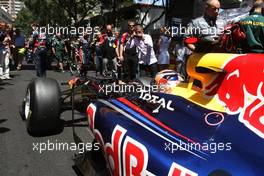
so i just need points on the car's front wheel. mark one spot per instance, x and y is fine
(42, 107)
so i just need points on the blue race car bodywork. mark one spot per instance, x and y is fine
(197, 132)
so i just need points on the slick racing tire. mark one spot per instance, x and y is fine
(42, 107)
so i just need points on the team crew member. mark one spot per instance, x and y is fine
(207, 28)
(146, 54)
(128, 54)
(58, 47)
(253, 25)
(125, 37)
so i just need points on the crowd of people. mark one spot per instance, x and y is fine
(129, 55)
(11, 46)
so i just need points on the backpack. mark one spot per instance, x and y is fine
(232, 38)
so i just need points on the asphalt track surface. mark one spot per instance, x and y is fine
(17, 157)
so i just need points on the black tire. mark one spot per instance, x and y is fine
(22, 110)
(42, 107)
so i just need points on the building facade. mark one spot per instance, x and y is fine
(5, 17)
(12, 6)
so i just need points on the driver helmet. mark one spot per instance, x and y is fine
(168, 79)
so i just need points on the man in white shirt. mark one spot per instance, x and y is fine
(146, 54)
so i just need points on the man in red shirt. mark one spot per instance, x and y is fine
(127, 54)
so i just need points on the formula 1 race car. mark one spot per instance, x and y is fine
(211, 125)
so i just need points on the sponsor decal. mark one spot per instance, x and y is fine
(91, 109)
(178, 170)
(156, 100)
(127, 156)
(242, 90)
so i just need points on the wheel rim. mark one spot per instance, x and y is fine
(27, 105)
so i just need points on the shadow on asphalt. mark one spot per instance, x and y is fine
(47, 134)
(68, 123)
(75, 122)
(32, 67)
(3, 129)
(14, 75)
(28, 67)
(6, 84)
(90, 163)
(3, 120)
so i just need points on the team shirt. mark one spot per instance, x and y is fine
(253, 25)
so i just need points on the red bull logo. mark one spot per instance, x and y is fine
(241, 90)
(127, 156)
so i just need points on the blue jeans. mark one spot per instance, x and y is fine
(86, 54)
(98, 61)
(41, 62)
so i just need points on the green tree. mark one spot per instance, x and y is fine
(61, 12)
(47, 12)
(77, 10)
(23, 20)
